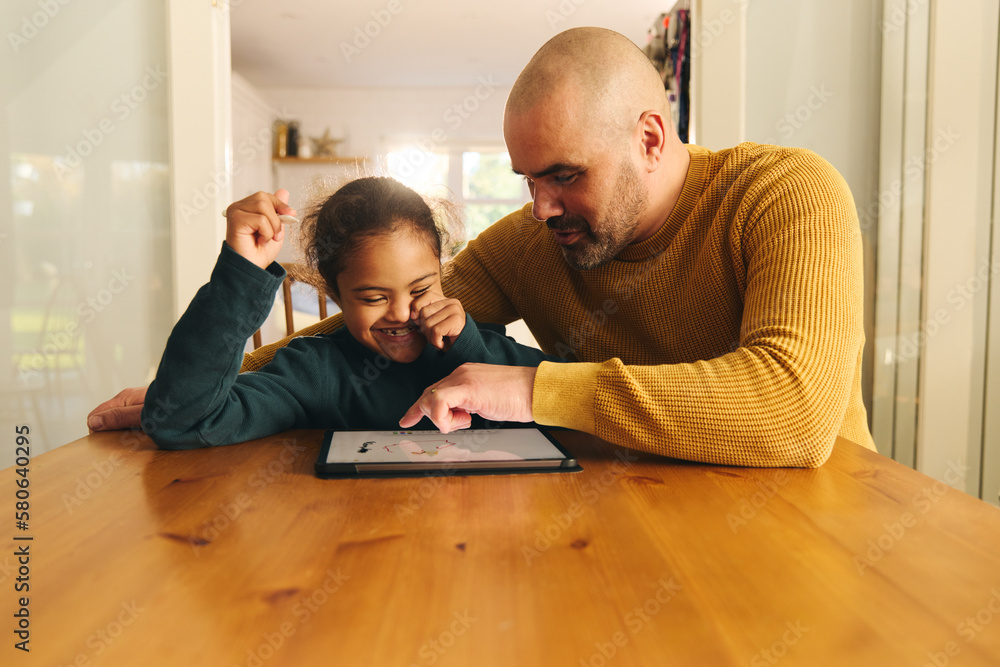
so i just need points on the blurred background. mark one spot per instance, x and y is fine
(131, 124)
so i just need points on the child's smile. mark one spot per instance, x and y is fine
(399, 338)
(379, 282)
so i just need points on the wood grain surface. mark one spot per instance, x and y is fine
(240, 556)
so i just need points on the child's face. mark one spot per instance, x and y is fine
(379, 282)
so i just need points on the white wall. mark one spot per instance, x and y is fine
(813, 81)
(718, 85)
(367, 117)
(371, 121)
(801, 73)
(200, 140)
(962, 113)
(253, 118)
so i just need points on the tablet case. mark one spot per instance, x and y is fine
(341, 470)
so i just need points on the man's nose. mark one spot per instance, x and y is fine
(547, 203)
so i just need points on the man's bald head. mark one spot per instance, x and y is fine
(608, 80)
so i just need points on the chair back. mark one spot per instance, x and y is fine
(292, 272)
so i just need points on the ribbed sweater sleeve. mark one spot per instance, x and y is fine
(793, 251)
(733, 335)
(198, 399)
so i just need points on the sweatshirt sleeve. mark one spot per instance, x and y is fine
(780, 397)
(198, 398)
(489, 344)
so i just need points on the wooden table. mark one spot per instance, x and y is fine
(239, 556)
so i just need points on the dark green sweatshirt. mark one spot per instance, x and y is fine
(200, 398)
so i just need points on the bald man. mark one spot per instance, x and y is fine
(712, 300)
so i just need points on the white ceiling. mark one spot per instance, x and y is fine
(299, 43)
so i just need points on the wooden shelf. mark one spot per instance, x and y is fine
(317, 160)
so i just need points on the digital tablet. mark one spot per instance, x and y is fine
(418, 453)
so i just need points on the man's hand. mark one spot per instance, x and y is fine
(441, 320)
(497, 393)
(253, 229)
(122, 411)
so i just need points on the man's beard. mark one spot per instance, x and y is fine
(616, 229)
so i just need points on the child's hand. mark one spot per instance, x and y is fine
(441, 320)
(253, 229)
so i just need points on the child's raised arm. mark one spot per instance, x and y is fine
(253, 229)
(199, 398)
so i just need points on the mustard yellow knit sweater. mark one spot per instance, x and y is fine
(733, 335)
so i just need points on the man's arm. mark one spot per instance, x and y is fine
(778, 399)
(491, 359)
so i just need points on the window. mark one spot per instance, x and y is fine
(490, 189)
(479, 178)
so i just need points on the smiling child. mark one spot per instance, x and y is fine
(377, 249)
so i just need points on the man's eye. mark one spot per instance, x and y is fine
(564, 179)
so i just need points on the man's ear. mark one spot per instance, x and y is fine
(652, 132)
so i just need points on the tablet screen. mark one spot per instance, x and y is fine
(516, 444)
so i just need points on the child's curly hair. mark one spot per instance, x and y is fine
(336, 225)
